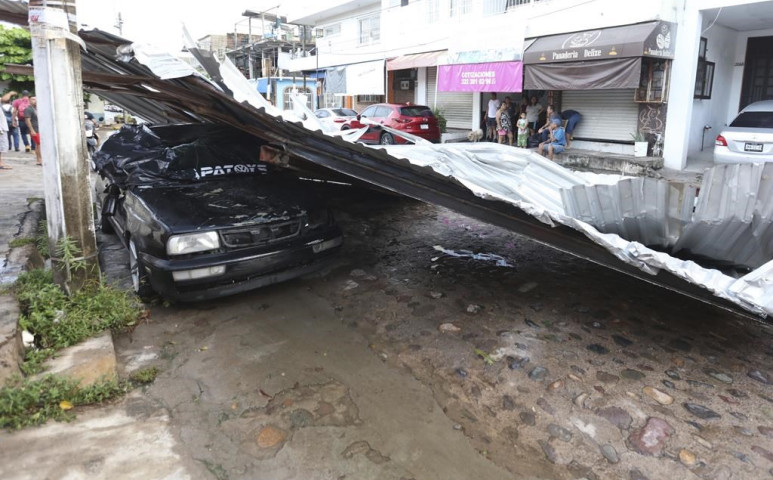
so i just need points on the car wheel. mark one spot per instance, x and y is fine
(105, 225)
(346, 127)
(140, 280)
(387, 139)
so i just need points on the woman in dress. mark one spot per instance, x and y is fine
(504, 125)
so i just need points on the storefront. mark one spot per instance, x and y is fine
(355, 81)
(617, 78)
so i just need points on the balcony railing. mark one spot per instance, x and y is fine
(495, 7)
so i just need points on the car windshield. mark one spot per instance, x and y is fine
(754, 120)
(344, 112)
(416, 111)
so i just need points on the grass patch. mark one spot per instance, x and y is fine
(58, 321)
(21, 241)
(25, 403)
(41, 241)
(144, 376)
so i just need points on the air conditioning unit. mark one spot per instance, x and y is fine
(405, 84)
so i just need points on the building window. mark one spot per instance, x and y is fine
(288, 103)
(433, 10)
(369, 98)
(370, 30)
(460, 8)
(332, 30)
(653, 83)
(704, 77)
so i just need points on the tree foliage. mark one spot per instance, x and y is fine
(16, 48)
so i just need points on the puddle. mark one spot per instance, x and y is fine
(498, 260)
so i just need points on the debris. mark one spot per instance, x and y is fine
(651, 438)
(499, 260)
(485, 356)
(472, 308)
(449, 328)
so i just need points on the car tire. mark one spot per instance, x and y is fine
(104, 225)
(386, 139)
(140, 280)
(346, 127)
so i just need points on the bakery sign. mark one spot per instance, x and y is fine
(651, 39)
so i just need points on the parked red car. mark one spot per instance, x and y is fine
(414, 119)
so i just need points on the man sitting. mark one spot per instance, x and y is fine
(552, 116)
(557, 141)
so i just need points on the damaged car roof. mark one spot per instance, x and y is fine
(719, 252)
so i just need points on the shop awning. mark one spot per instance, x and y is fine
(651, 39)
(416, 60)
(357, 79)
(480, 77)
(602, 74)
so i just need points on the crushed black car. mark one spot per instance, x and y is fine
(203, 217)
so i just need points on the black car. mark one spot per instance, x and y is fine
(202, 217)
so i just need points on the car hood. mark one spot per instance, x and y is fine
(223, 203)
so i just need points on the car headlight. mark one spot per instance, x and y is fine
(192, 243)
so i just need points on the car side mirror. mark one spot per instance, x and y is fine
(359, 117)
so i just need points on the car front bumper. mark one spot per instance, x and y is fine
(244, 270)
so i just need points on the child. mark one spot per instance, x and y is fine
(523, 130)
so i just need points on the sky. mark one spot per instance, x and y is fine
(159, 22)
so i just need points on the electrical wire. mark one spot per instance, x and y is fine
(712, 23)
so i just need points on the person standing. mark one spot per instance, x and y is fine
(31, 118)
(491, 117)
(504, 124)
(523, 131)
(4, 138)
(19, 106)
(13, 126)
(532, 113)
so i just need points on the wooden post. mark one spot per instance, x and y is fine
(59, 92)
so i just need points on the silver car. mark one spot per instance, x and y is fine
(334, 118)
(749, 138)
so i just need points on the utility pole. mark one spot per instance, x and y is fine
(119, 26)
(59, 90)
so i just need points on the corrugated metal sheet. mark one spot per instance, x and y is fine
(507, 187)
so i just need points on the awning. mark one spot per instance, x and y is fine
(651, 39)
(480, 77)
(357, 79)
(602, 74)
(416, 60)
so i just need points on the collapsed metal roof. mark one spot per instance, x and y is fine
(635, 226)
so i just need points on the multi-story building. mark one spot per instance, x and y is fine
(675, 71)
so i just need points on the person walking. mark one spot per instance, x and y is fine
(31, 119)
(19, 106)
(13, 126)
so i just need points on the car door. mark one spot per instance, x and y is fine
(369, 114)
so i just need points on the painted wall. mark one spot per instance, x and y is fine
(722, 47)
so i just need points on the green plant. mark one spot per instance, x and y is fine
(25, 402)
(638, 137)
(58, 321)
(42, 239)
(21, 241)
(144, 376)
(441, 120)
(15, 48)
(70, 254)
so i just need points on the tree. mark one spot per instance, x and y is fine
(16, 48)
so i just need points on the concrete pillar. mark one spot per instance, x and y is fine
(59, 91)
(421, 86)
(682, 87)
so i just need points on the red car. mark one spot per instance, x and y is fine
(414, 119)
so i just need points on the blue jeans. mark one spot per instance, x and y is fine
(13, 138)
(24, 132)
(571, 122)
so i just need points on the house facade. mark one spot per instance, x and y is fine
(675, 71)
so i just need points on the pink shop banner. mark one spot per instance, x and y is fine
(481, 77)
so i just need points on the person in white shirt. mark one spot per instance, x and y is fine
(532, 113)
(491, 118)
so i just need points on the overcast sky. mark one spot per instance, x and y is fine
(159, 22)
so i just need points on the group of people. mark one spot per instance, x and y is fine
(553, 136)
(19, 120)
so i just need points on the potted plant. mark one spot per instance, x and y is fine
(640, 144)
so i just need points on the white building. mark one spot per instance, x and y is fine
(578, 54)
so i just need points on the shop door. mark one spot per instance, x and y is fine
(758, 71)
(607, 115)
(456, 106)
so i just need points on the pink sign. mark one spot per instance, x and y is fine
(481, 77)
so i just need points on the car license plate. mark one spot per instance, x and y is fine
(424, 126)
(752, 147)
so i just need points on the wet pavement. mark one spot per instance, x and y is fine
(442, 348)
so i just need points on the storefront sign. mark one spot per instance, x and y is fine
(481, 77)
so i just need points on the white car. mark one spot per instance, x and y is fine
(749, 138)
(334, 118)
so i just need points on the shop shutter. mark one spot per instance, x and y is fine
(456, 106)
(606, 114)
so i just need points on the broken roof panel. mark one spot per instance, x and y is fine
(507, 187)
